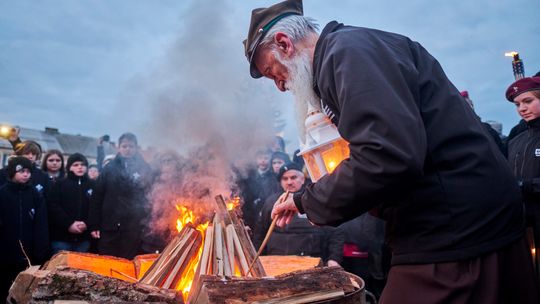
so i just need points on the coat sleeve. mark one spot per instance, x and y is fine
(375, 94)
(57, 215)
(96, 202)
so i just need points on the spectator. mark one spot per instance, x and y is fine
(23, 223)
(279, 159)
(259, 185)
(278, 144)
(53, 165)
(300, 237)
(68, 204)
(492, 132)
(32, 151)
(523, 153)
(105, 151)
(93, 172)
(119, 206)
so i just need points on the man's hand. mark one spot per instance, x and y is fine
(95, 234)
(284, 210)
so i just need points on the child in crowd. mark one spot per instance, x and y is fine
(23, 223)
(68, 204)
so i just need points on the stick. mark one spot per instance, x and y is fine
(25, 255)
(267, 237)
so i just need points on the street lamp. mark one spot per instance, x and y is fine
(324, 148)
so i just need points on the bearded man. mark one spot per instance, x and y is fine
(418, 154)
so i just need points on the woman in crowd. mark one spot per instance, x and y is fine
(53, 165)
(68, 204)
(523, 152)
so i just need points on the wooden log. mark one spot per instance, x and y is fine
(71, 284)
(218, 248)
(306, 284)
(177, 258)
(185, 255)
(243, 237)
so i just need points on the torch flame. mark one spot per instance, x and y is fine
(511, 54)
(4, 130)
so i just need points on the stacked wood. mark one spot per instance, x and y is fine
(62, 283)
(243, 245)
(173, 262)
(329, 284)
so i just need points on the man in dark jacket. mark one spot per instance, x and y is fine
(300, 237)
(23, 224)
(119, 207)
(68, 202)
(417, 152)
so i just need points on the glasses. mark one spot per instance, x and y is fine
(54, 160)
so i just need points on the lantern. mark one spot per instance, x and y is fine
(324, 148)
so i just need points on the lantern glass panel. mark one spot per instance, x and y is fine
(311, 165)
(333, 155)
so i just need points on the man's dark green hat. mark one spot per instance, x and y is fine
(262, 20)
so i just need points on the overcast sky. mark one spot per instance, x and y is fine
(105, 66)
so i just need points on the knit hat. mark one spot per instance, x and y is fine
(521, 86)
(287, 167)
(75, 157)
(16, 164)
(281, 155)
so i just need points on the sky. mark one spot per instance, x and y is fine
(175, 71)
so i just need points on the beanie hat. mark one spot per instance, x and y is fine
(75, 157)
(281, 155)
(521, 86)
(16, 164)
(287, 167)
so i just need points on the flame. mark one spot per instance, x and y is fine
(4, 130)
(186, 216)
(331, 166)
(511, 54)
(233, 203)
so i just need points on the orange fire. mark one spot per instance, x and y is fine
(186, 216)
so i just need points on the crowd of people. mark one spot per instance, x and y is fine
(453, 203)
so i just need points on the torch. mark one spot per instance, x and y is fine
(517, 65)
(324, 149)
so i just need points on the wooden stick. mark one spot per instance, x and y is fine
(267, 237)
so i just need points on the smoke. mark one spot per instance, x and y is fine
(200, 101)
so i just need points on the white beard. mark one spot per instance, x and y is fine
(300, 84)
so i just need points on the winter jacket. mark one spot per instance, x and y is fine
(417, 151)
(119, 206)
(255, 190)
(299, 237)
(23, 217)
(524, 159)
(69, 201)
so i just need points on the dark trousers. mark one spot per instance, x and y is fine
(503, 276)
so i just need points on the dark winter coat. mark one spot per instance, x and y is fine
(299, 237)
(119, 207)
(23, 216)
(69, 201)
(255, 190)
(417, 151)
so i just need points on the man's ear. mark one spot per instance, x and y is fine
(284, 43)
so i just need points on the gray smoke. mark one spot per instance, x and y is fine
(201, 102)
